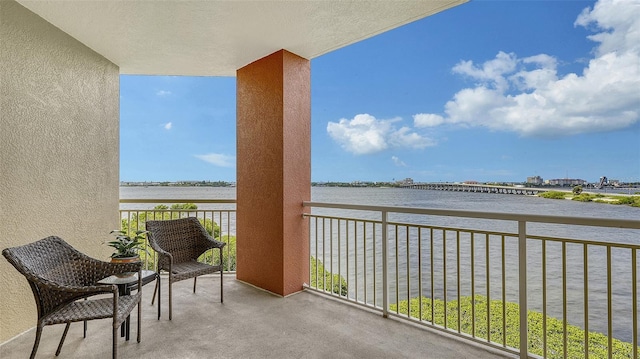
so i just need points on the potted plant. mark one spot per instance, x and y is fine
(127, 247)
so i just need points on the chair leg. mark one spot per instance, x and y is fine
(170, 298)
(114, 350)
(139, 318)
(221, 275)
(159, 296)
(64, 335)
(154, 291)
(84, 333)
(194, 283)
(37, 342)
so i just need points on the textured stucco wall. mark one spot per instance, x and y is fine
(273, 172)
(59, 149)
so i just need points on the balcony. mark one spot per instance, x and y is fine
(62, 148)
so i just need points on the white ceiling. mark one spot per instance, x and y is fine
(215, 38)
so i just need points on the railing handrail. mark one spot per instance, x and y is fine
(581, 221)
(174, 200)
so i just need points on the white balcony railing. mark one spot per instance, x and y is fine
(473, 278)
(467, 273)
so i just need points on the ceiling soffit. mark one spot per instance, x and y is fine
(215, 38)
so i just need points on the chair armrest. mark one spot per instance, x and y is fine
(165, 259)
(161, 251)
(96, 289)
(212, 243)
(163, 254)
(85, 289)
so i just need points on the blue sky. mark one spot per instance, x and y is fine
(486, 91)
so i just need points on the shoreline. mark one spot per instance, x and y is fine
(631, 200)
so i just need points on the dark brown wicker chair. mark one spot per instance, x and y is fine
(179, 243)
(60, 275)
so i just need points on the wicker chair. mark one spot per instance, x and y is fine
(179, 243)
(60, 275)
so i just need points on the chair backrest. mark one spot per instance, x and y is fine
(44, 259)
(45, 262)
(184, 238)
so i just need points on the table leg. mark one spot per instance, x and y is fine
(128, 321)
(159, 296)
(128, 330)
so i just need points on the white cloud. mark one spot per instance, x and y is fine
(427, 120)
(527, 96)
(162, 93)
(398, 162)
(364, 134)
(167, 126)
(492, 71)
(217, 159)
(405, 137)
(620, 22)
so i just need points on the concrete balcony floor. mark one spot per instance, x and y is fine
(250, 324)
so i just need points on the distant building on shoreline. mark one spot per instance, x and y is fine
(565, 182)
(535, 180)
(561, 182)
(407, 181)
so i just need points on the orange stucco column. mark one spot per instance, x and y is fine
(273, 172)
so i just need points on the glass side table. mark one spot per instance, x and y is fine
(127, 282)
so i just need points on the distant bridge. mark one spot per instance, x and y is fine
(480, 188)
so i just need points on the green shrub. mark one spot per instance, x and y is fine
(583, 197)
(326, 279)
(598, 343)
(554, 195)
(630, 200)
